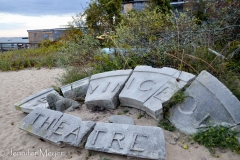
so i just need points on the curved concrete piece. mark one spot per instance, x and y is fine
(104, 89)
(208, 103)
(36, 100)
(76, 89)
(130, 140)
(56, 127)
(149, 89)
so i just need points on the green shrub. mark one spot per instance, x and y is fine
(35, 57)
(73, 74)
(165, 124)
(218, 136)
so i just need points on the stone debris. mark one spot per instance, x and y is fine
(208, 103)
(104, 89)
(75, 89)
(61, 104)
(130, 140)
(36, 100)
(57, 127)
(121, 119)
(149, 89)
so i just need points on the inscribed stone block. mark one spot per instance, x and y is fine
(104, 89)
(57, 127)
(36, 100)
(149, 89)
(75, 89)
(208, 102)
(130, 140)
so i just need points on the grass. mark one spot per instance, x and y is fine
(218, 136)
(21, 59)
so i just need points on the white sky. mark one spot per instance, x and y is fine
(14, 25)
(18, 16)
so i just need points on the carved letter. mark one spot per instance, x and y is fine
(92, 90)
(96, 135)
(116, 87)
(38, 115)
(75, 132)
(49, 123)
(60, 126)
(130, 83)
(191, 100)
(117, 139)
(146, 89)
(106, 87)
(135, 142)
(43, 100)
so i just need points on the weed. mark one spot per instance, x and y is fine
(177, 98)
(218, 136)
(125, 111)
(165, 124)
(100, 158)
(140, 116)
(89, 154)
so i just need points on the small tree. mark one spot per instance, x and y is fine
(103, 14)
(163, 6)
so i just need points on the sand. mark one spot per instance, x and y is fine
(16, 85)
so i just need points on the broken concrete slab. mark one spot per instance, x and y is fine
(57, 127)
(149, 89)
(104, 89)
(208, 103)
(36, 100)
(121, 119)
(76, 89)
(61, 104)
(130, 140)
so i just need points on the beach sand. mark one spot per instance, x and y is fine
(17, 85)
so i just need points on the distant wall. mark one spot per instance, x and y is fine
(37, 36)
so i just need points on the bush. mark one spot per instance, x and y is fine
(20, 59)
(218, 136)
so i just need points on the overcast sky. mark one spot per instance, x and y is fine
(18, 16)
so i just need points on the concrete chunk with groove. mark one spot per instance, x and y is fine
(36, 100)
(149, 89)
(104, 89)
(57, 127)
(76, 89)
(208, 103)
(130, 140)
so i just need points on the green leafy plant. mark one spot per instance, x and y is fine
(140, 116)
(103, 158)
(177, 98)
(218, 136)
(72, 75)
(125, 111)
(44, 56)
(165, 124)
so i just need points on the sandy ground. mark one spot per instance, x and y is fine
(14, 86)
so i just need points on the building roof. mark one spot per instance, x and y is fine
(47, 30)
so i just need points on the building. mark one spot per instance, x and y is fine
(134, 4)
(37, 36)
(141, 4)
